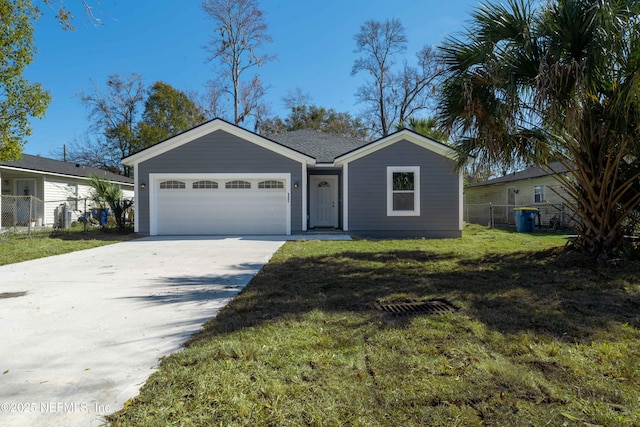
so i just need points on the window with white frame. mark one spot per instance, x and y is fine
(538, 194)
(403, 191)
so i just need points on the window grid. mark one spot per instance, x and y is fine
(271, 184)
(172, 185)
(238, 184)
(205, 184)
(403, 191)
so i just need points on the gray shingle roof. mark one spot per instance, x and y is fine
(42, 164)
(529, 173)
(323, 146)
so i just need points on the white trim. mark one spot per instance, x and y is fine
(404, 135)
(63, 175)
(541, 186)
(345, 197)
(136, 200)
(209, 128)
(304, 197)
(416, 190)
(155, 177)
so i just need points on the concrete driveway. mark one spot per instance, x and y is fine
(80, 333)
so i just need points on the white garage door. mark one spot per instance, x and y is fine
(221, 206)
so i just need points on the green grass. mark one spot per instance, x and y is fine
(20, 246)
(539, 340)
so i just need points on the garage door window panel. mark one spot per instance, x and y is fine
(272, 184)
(172, 185)
(200, 185)
(238, 185)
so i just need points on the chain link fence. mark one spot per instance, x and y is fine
(27, 213)
(21, 213)
(550, 217)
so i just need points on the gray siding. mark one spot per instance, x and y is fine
(220, 152)
(439, 198)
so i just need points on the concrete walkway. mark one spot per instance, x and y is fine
(80, 333)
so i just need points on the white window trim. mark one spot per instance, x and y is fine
(416, 190)
(542, 191)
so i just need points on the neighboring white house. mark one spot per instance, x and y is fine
(38, 189)
(493, 201)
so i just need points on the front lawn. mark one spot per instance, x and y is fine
(22, 246)
(538, 340)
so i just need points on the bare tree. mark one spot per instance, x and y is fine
(65, 17)
(417, 84)
(89, 150)
(379, 43)
(114, 113)
(391, 97)
(240, 32)
(296, 98)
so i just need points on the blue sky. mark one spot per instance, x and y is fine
(163, 41)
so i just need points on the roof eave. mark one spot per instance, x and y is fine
(65, 175)
(404, 134)
(210, 127)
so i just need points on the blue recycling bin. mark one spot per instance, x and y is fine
(101, 215)
(104, 217)
(525, 219)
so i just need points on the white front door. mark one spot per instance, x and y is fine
(324, 201)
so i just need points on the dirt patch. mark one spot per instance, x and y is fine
(5, 295)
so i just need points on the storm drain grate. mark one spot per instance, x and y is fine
(417, 307)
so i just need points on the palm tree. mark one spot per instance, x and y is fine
(427, 127)
(555, 82)
(106, 193)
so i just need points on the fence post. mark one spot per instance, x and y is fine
(85, 215)
(30, 214)
(491, 215)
